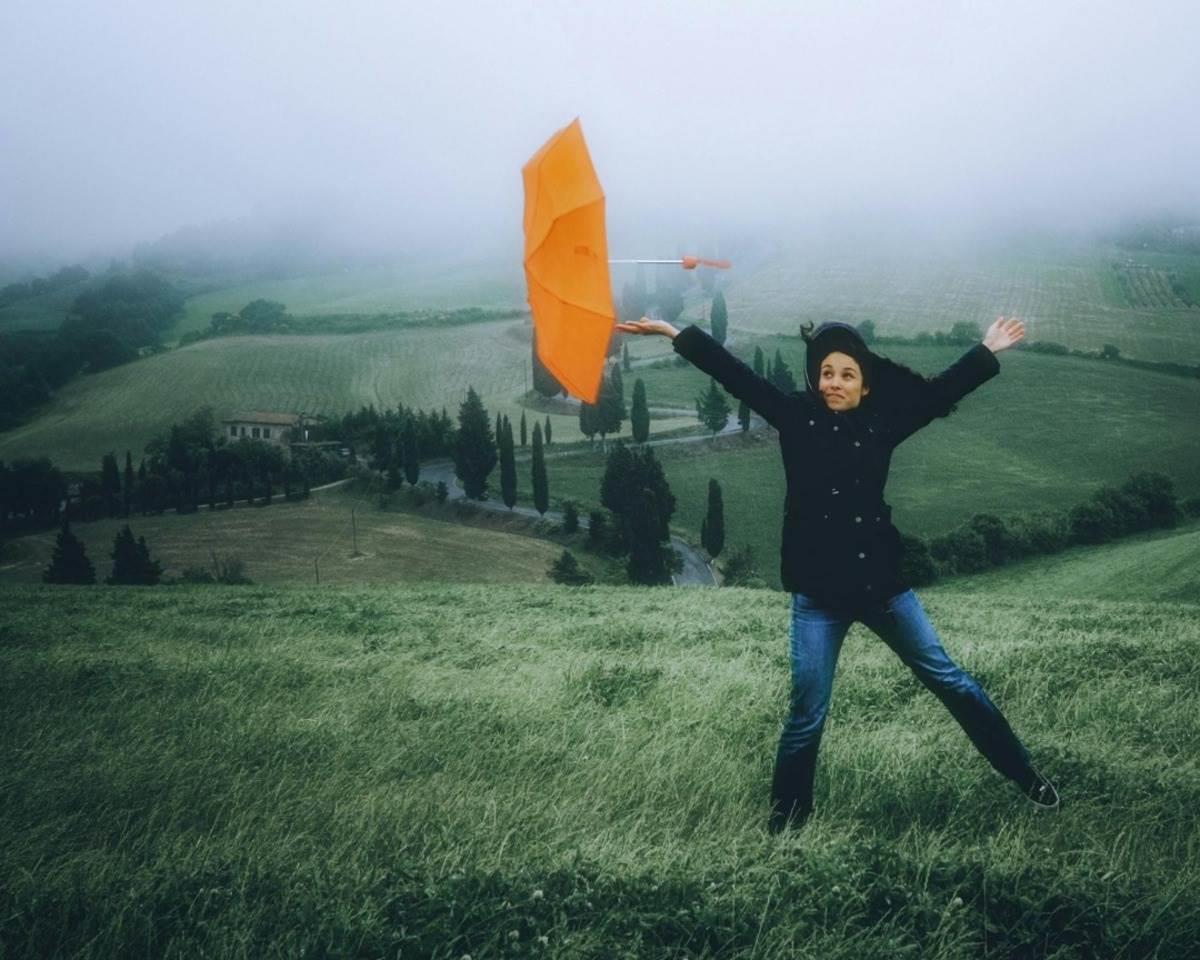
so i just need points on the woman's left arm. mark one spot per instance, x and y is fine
(970, 371)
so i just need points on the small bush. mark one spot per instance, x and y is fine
(570, 522)
(566, 570)
(738, 569)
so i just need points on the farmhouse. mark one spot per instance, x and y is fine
(278, 428)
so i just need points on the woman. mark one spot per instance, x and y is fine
(841, 554)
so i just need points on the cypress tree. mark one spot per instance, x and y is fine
(625, 361)
(395, 469)
(639, 415)
(508, 466)
(412, 452)
(499, 432)
(541, 483)
(712, 408)
(475, 450)
(719, 317)
(589, 419)
(570, 521)
(150, 570)
(126, 562)
(211, 472)
(610, 405)
(127, 492)
(69, 562)
(110, 483)
(744, 415)
(524, 440)
(714, 520)
(758, 361)
(781, 375)
(548, 433)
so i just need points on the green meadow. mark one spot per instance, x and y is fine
(502, 771)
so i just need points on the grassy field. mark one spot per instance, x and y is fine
(368, 290)
(293, 542)
(1163, 565)
(443, 771)
(1064, 292)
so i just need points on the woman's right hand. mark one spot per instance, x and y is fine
(646, 326)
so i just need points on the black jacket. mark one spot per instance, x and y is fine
(839, 544)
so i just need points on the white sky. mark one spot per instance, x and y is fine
(406, 124)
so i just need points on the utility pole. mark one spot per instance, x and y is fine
(354, 531)
(317, 570)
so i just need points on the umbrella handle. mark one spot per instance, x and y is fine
(690, 263)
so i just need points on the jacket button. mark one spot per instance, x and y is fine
(826, 516)
(868, 586)
(858, 519)
(834, 490)
(857, 444)
(861, 555)
(835, 429)
(876, 519)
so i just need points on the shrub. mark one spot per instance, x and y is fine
(1191, 506)
(1156, 493)
(566, 570)
(998, 542)
(961, 551)
(738, 569)
(1042, 532)
(916, 564)
(1091, 522)
(570, 522)
(597, 528)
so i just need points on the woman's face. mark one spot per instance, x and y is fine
(841, 383)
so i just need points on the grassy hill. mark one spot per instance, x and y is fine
(1070, 293)
(512, 771)
(1163, 565)
(290, 543)
(123, 408)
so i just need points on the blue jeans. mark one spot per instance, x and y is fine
(816, 640)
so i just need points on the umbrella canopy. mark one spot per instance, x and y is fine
(566, 262)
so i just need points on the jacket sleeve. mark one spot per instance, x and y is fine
(706, 354)
(939, 394)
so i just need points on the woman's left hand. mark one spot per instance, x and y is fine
(1003, 334)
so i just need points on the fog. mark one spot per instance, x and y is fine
(392, 129)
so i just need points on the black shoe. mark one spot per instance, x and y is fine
(780, 821)
(1039, 791)
(792, 789)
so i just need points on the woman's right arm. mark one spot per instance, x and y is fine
(706, 354)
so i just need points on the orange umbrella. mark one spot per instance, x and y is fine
(566, 262)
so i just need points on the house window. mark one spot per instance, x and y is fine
(267, 432)
(254, 432)
(233, 431)
(243, 431)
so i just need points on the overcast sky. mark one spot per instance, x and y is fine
(407, 123)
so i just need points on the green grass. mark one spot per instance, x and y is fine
(439, 771)
(370, 290)
(279, 544)
(1163, 565)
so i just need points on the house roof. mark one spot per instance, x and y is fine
(264, 416)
